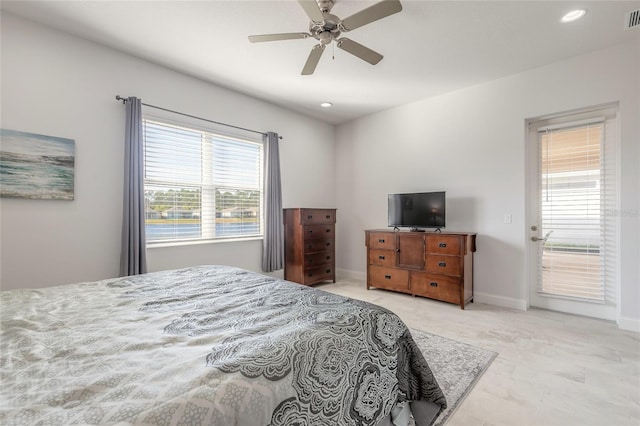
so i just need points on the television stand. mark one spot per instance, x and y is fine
(434, 265)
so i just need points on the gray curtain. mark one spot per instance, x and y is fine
(133, 257)
(273, 242)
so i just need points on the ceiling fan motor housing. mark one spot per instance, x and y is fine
(327, 30)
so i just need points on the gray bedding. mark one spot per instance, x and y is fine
(204, 345)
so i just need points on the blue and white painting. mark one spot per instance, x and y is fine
(36, 166)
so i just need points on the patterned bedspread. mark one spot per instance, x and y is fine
(203, 345)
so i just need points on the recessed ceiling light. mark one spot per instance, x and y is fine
(326, 104)
(573, 15)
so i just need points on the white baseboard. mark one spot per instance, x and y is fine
(505, 302)
(631, 324)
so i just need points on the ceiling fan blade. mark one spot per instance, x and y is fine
(359, 50)
(313, 59)
(372, 13)
(311, 9)
(276, 37)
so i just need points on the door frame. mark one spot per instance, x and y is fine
(606, 311)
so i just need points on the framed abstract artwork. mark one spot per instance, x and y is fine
(36, 166)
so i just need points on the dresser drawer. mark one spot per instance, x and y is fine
(382, 258)
(450, 265)
(318, 231)
(444, 244)
(318, 273)
(317, 216)
(312, 246)
(389, 278)
(318, 259)
(438, 287)
(381, 240)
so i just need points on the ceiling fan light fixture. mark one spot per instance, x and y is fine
(574, 15)
(326, 105)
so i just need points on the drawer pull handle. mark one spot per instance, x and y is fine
(310, 246)
(442, 264)
(327, 217)
(310, 261)
(387, 277)
(328, 230)
(328, 257)
(310, 274)
(310, 231)
(443, 245)
(309, 217)
(381, 241)
(381, 257)
(433, 284)
(328, 271)
(328, 243)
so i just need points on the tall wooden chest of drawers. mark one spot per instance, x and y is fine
(309, 245)
(429, 264)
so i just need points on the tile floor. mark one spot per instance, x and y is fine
(552, 368)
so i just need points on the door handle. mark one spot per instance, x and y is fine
(535, 238)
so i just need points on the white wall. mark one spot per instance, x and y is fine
(59, 85)
(471, 144)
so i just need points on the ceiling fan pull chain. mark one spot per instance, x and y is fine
(333, 51)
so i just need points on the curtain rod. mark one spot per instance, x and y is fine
(124, 100)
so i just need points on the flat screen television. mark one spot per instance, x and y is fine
(417, 210)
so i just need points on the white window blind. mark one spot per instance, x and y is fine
(578, 188)
(200, 185)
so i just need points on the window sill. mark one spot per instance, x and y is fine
(200, 242)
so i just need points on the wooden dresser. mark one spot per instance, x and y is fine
(309, 245)
(429, 264)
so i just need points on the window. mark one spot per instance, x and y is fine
(200, 185)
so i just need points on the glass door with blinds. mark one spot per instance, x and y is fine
(572, 235)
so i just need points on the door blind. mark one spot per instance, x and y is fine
(571, 254)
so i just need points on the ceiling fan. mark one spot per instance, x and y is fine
(326, 28)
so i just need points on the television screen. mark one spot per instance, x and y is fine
(417, 210)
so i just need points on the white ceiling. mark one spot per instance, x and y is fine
(429, 48)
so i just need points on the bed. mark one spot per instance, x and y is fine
(207, 345)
